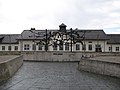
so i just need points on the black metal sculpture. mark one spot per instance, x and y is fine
(59, 38)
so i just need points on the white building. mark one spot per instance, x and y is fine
(60, 40)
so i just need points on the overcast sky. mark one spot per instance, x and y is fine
(17, 15)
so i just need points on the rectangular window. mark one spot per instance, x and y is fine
(66, 46)
(3, 48)
(117, 48)
(55, 46)
(90, 47)
(110, 49)
(98, 48)
(77, 46)
(26, 47)
(9, 48)
(40, 47)
(34, 47)
(90, 42)
(16, 48)
(83, 47)
(60, 47)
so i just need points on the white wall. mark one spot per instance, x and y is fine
(104, 46)
(113, 47)
(12, 47)
(102, 43)
(22, 43)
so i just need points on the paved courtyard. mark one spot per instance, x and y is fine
(58, 76)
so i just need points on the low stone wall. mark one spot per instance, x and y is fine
(100, 67)
(9, 67)
(57, 55)
(10, 53)
(52, 56)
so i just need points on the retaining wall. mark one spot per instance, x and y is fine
(9, 67)
(100, 67)
(57, 55)
(53, 56)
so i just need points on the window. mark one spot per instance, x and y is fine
(98, 48)
(40, 47)
(26, 47)
(117, 48)
(110, 49)
(34, 47)
(9, 48)
(60, 47)
(16, 48)
(90, 47)
(3, 48)
(83, 47)
(77, 46)
(66, 46)
(90, 42)
(55, 46)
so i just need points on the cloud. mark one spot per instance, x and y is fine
(17, 15)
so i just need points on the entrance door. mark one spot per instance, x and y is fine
(98, 48)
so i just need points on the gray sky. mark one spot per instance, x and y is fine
(17, 15)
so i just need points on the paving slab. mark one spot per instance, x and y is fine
(58, 76)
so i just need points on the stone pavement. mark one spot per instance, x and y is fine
(58, 76)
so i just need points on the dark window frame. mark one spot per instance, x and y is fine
(26, 47)
(84, 47)
(33, 46)
(77, 46)
(67, 46)
(110, 49)
(40, 47)
(3, 48)
(117, 49)
(16, 48)
(90, 47)
(9, 48)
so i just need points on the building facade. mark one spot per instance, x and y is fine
(61, 40)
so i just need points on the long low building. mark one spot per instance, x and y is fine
(62, 39)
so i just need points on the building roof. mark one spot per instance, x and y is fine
(40, 34)
(113, 38)
(62, 25)
(34, 34)
(93, 34)
(9, 38)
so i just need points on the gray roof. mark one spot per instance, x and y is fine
(9, 38)
(113, 38)
(34, 34)
(40, 34)
(94, 34)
